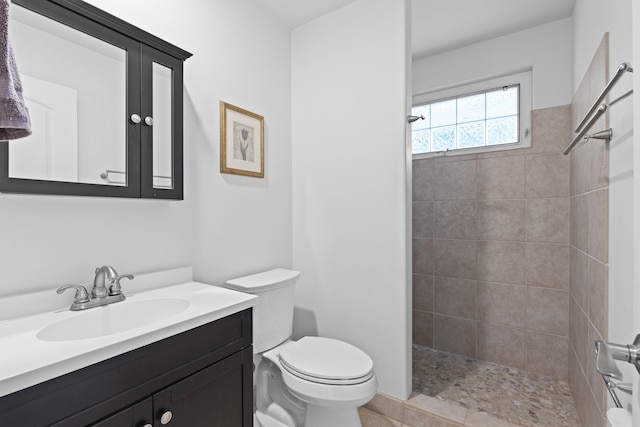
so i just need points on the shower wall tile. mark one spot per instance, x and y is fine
(456, 297)
(501, 344)
(501, 304)
(580, 390)
(501, 220)
(547, 265)
(455, 219)
(595, 416)
(581, 102)
(422, 180)
(455, 335)
(454, 158)
(547, 175)
(422, 328)
(598, 74)
(504, 153)
(491, 248)
(579, 332)
(548, 220)
(598, 160)
(579, 277)
(422, 256)
(599, 224)
(501, 262)
(593, 376)
(598, 295)
(579, 160)
(422, 219)
(547, 355)
(550, 129)
(501, 178)
(547, 311)
(588, 316)
(423, 292)
(455, 258)
(455, 180)
(580, 222)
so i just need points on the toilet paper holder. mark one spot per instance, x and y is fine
(607, 354)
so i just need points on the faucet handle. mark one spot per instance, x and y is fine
(115, 288)
(82, 295)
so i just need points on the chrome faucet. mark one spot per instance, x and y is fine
(100, 295)
(99, 289)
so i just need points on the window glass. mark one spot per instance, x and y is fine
(474, 117)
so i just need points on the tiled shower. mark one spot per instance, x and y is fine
(589, 238)
(491, 251)
(510, 251)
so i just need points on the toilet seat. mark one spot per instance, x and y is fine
(326, 361)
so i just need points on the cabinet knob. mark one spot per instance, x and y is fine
(135, 118)
(166, 418)
(147, 425)
(148, 121)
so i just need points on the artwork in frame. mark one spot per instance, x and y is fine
(241, 141)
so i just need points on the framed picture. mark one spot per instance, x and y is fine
(241, 141)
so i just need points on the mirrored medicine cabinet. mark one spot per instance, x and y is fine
(105, 102)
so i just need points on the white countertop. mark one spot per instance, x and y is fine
(26, 360)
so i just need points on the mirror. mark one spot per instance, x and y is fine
(162, 142)
(106, 104)
(75, 89)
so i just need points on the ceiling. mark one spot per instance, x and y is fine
(438, 25)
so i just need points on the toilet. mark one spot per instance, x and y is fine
(311, 382)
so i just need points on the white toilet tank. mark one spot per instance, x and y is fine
(273, 315)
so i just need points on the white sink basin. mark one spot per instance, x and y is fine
(112, 319)
(49, 340)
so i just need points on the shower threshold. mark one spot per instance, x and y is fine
(512, 395)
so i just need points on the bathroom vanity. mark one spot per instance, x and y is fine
(192, 367)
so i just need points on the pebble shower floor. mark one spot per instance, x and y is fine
(516, 396)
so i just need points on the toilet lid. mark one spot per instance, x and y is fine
(327, 361)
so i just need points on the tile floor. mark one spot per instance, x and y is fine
(456, 391)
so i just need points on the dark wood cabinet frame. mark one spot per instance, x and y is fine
(142, 50)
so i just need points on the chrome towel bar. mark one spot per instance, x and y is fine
(583, 133)
(622, 68)
(597, 110)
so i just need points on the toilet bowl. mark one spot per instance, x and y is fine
(312, 382)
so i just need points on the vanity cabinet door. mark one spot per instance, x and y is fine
(216, 396)
(138, 415)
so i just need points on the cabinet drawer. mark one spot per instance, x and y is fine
(109, 386)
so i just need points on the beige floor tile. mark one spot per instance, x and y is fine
(442, 408)
(386, 405)
(371, 418)
(482, 419)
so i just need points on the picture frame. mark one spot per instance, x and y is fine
(241, 141)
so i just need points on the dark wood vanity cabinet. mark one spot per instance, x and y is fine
(201, 377)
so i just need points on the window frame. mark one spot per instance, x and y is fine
(521, 78)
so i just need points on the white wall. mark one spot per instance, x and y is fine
(349, 183)
(591, 21)
(546, 49)
(227, 225)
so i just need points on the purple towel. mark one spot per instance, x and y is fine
(14, 116)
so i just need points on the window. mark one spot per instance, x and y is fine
(483, 116)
